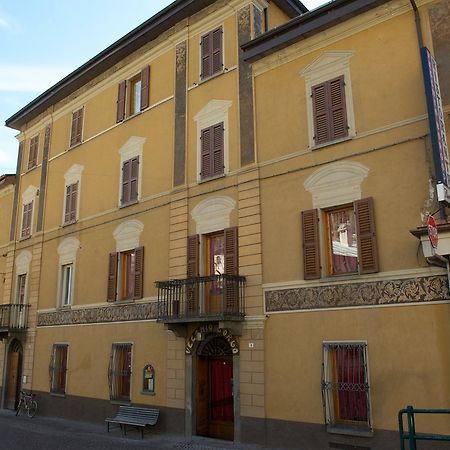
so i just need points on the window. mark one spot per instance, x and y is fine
(125, 279)
(21, 289)
(66, 284)
(77, 127)
(27, 220)
(119, 372)
(71, 203)
(130, 179)
(211, 53)
(345, 385)
(148, 380)
(330, 118)
(349, 235)
(33, 155)
(212, 147)
(133, 95)
(58, 369)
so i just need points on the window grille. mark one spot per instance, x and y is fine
(119, 372)
(58, 369)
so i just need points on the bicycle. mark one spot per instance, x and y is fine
(27, 402)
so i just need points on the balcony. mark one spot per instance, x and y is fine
(13, 318)
(199, 299)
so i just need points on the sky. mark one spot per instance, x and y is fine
(46, 40)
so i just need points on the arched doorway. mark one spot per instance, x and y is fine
(14, 374)
(214, 389)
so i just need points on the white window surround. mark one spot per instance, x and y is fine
(216, 111)
(72, 176)
(131, 149)
(67, 252)
(23, 261)
(327, 66)
(213, 214)
(127, 235)
(336, 184)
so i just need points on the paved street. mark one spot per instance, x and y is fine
(52, 434)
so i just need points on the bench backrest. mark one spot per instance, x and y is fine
(148, 415)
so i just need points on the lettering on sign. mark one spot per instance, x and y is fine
(209, 329)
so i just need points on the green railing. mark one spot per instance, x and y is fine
(411, 436)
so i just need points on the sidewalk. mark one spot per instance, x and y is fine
(55, 434)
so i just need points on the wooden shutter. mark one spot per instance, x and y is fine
(365, 230)
(329, 110)
(231, 251)
(320, 108)
(206, 143)
(206, 45)
(112, 277)
(73, 202)
(337, 109)
(126, 182)
(145, 87)
(139, 273)
(217, 50)
(193, 269)
(311, 248)
(134, 175)
(217, 149)
(26, 219)
(34, 146)
(121, 101)
(68, 208)
(77, 127)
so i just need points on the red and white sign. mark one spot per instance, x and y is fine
(432, 231)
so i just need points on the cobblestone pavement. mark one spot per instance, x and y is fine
(46, 433)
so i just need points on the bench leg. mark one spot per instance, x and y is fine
(107, 425)
(142, 432)
(124, 430)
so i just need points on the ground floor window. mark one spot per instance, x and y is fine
(58, 369)
(345, 384)
(119, 372)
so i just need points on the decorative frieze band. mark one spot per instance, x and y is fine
(104, 314)
(386, 292)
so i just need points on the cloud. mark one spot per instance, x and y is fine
(4, 23)
(18, 78)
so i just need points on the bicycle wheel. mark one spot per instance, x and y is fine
(32, 408)
(19, 407)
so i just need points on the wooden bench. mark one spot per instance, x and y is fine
(131, 415)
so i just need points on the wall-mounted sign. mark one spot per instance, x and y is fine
(203, 331)
(437, 123)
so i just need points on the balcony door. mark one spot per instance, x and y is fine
(214, 257)
(14, 374)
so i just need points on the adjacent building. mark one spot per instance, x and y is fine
(213, 217)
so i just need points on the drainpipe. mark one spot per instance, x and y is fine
(442, 212)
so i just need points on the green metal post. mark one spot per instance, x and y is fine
(411, 428)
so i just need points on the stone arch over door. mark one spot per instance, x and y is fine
(13, 374)
(208, 348)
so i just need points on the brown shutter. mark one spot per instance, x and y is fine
(34, 146)
(134, 175)
(206, 45)
(217, 63)
(338, 114)
(73, 202)
(79, 130)
(145, 87)
(68, 207)
(121, 101)
(206, 143)
(218, 148)
(311, 248)
(367, 241)
(320, 109)
(26, 219)
(231, 251)
(126, 182)
(139, 273)
(73, 130)
(193, 256)
(112, 277)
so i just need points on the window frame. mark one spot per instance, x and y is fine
(66, 291)
(71, 216)
(212, 151)
(330, 389)
(133, 148)
(131, 179)
(58, 369)
(114, 372)
(27, 220)
(133, 100)
(33, 152)
(72, 177)
(21, 289)
(148, 390)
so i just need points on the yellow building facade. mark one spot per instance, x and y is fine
(212, 217)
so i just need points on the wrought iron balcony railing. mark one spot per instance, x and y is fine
(14, 317)
(215, 297)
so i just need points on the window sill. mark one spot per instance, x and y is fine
(205, 180)
(131, 116)
(147, 393)
(327, 144)
(349, 430)
(24, 238)
(58, 394)
(64, 307)
(125, 205)
(66, 224)
(72, 147)
(30, 169)
(211, 77)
